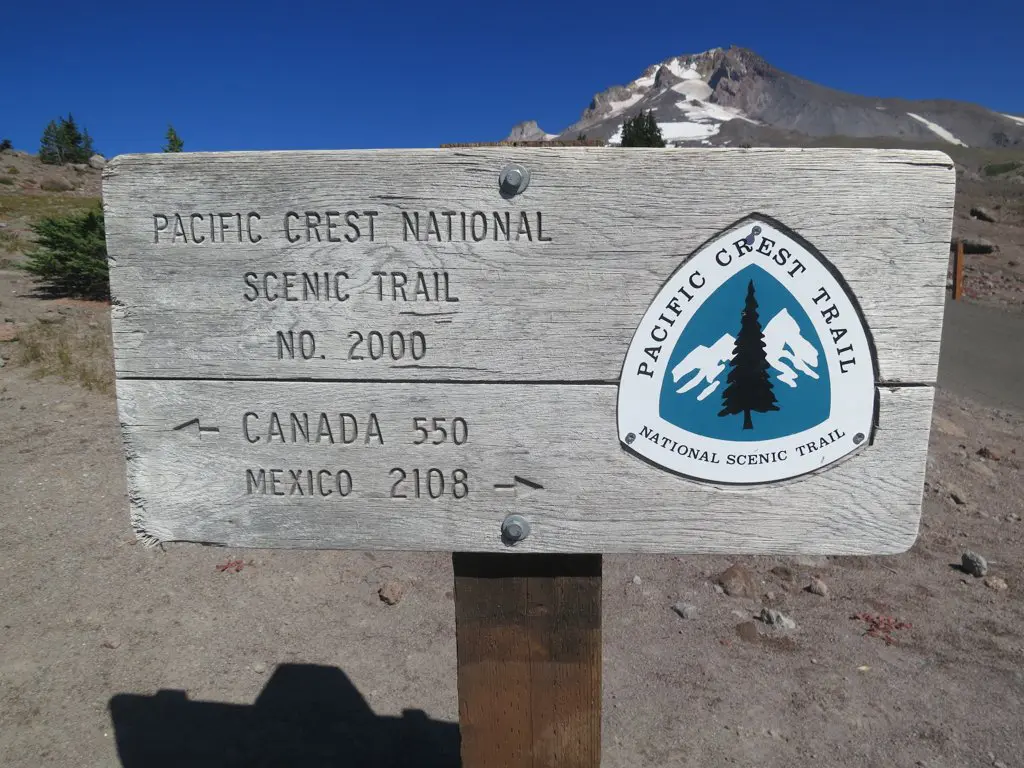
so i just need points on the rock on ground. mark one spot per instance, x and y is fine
(818, 587)
(685, 610)
(391, 592)
(982, 214)
(775, 618)
(737, 581)
(973, 563)
(783, 572)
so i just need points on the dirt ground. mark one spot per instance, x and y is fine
(114, 654)
(997, 278)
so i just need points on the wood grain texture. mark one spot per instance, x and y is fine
(621, 221)
(596, 497)
(529, 660)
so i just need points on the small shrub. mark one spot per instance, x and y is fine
(5, 145)
(71, 256)
(10, 241)
(998, 169)
(12, 170)
(74, 348)
(6, 182)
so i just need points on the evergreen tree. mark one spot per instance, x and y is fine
(50, 150)
(70, 137)
(174, 142)
(63, 142)
(642, 131)
(71, 254)
(749, 387)
(85, 148)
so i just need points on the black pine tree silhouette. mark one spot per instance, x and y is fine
(749, 388)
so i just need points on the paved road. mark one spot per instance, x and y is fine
(983, 355)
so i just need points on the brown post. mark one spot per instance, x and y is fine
(958, 270)
(528, 629)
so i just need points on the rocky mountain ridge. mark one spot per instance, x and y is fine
(733, 96)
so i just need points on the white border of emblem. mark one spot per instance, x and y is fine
(852, 414)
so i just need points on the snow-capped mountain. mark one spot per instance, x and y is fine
(733, 96)
(789, 355)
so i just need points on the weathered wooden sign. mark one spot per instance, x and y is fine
(549, 350)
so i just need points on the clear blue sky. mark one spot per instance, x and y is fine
(302, 74)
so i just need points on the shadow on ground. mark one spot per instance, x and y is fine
(306, 715)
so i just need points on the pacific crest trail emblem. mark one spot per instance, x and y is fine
(753, 363)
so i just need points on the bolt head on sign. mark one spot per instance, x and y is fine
(751, 365)
(513, 180)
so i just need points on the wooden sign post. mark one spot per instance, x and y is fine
(527, 357)
(958, 270)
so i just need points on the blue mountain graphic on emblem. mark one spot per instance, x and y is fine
(748, 366)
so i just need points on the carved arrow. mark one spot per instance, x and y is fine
(199, 426)
(517, 480)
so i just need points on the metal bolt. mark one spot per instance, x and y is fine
(630, 438)
(514, 529)
(858, 438)
(753, 233)
(513, 180)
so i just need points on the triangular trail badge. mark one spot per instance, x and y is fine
(753, 363)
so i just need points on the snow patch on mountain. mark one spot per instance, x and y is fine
(688, 72)
(938, 130)
(786, 350)
(693, 89)
(703, 111)
(703, 120)
(619, 106)
(677, 132)
(646, 80)
(1015, 118)
(688, 131)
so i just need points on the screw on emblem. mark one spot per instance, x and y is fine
(753, 233)
(513, 180)
(514, 529)
(630, 438)
(858, 438)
